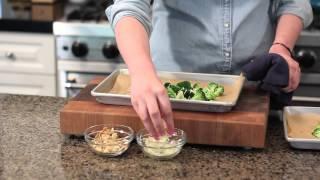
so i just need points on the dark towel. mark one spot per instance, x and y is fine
(273, 73)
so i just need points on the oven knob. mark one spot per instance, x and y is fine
(79, 49)
(306, 58)
(110, 51)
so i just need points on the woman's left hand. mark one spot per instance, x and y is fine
(294, 68)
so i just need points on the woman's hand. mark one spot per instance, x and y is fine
(288, 30)
(151, 102)
(148, 96)
(294, 68)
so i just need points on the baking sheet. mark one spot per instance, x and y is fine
(301, 114)
(111, 92)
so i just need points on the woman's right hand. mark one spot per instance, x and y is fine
(151, 102)
(148, 96)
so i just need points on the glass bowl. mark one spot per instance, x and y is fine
(109, 140)
(165, 148)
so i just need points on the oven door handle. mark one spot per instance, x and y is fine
(74, 86)
(305, 99)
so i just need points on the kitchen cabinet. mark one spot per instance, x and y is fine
(26, 52)
(30, 84)
(27, 63)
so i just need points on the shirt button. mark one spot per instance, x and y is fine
(227, 54)
(226, 25)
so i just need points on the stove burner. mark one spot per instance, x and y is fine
(91, 11)
(87, 15)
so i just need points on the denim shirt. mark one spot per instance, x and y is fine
(208, 36)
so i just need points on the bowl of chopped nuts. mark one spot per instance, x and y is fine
(166, 147)
(108, 139)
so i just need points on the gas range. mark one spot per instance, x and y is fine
(85, 47)
(307, 52)
(85, 42)
(84, 33)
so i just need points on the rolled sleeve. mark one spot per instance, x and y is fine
(139, 9)
(300, 8)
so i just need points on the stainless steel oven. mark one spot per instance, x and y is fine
(72, 83)
(307, 52)
(85, 47)
(75, 75)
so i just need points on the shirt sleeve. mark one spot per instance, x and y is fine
(139, 9)
(300, 8)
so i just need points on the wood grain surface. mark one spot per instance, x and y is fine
(244, 126)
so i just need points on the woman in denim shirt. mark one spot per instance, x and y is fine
(210, 36)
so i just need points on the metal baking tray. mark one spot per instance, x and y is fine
(101, 91)
(300, 143)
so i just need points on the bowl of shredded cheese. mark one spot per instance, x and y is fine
(109, 140)
(166, 147)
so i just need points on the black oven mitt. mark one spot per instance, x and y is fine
(273, 73)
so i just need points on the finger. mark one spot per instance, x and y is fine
(289, 87)
(166, 112)
(143, 114)
(295, 77)
(294, 72)
(154, 113)
(291, 84)
(148, 124)
(286, 89)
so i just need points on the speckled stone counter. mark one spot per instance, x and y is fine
(32, 148)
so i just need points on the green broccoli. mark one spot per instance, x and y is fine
(186, 85)
(185, 90)
(209, 93)
(188, 94)
(316, 132)
(219, 90)
(171, 92)
(196, 86)
(167, 84)
(212, 86)
(199, 95)
(175, 88)
(180, 95)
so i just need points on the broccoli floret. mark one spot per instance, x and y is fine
(316, 132)
(212, 86)
(188, 94)
(185, 90)
(199, 95)
(219, 90)
(180, 95)
(196, 86)
(171, 92)
(167, 84)
(186, 85)
(210, 95)
(175, 88)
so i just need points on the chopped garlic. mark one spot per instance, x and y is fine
(162, 147)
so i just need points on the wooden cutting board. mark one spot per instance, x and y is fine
(244, 126)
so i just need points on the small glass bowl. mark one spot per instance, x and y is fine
(111, 148)
(165, 148)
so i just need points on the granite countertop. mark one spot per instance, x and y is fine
(32, 148)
